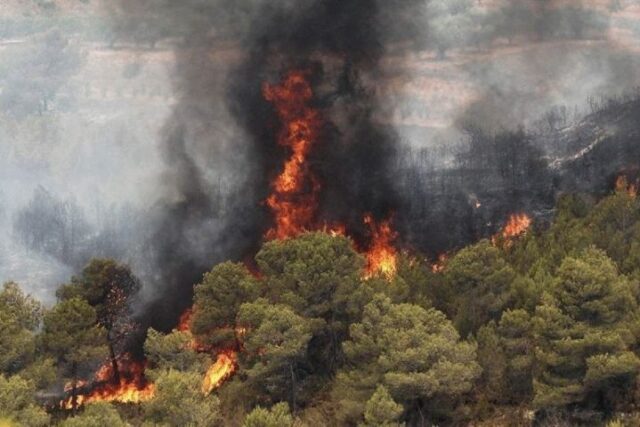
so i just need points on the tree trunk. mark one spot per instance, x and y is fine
(334, 344)
(420, 407)
(114, 364)
(74, 387)
(237, 338)
(293, 388)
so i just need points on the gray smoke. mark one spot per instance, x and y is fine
(151, 130)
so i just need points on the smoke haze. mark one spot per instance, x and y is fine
(137, 129)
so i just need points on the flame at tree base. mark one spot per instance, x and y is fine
(132, 386)
(125, 392)
(517, 225)
(382, 256)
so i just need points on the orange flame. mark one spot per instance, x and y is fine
(294, 192)
(381, 255)
(131, 388)
(624, 186)
(220, 371)
(293, 200)
(516, 225)
(226, 363)
(438, 267)
(184, 324)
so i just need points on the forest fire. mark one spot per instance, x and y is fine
(220, 371)
(184, 325)
(293, 200)
(185, 320)
(294, 197)
(516, 225)
(381, 255)
(439, 265)
(132, 387)
(226, 362)
(624, 186)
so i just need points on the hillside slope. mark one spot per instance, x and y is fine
(605, 144)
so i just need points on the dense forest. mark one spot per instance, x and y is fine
(542, 328)
(319, 213)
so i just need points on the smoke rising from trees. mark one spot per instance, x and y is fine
(207, 172)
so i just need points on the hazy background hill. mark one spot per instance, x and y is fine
(86, 88)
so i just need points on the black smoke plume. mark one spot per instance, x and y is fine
(220, 147)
